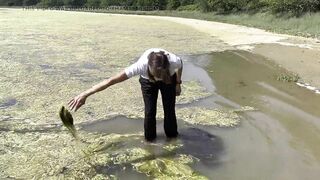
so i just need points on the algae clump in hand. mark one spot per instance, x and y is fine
(67, 120)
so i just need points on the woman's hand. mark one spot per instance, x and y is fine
(178, 90)
(77, 102)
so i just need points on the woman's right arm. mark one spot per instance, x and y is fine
(78, 101)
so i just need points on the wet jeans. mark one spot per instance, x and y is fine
(150, 95)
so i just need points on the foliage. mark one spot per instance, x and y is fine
(190, 7)
(74, 3)
(51, 3)
(93, 3)
(173, 4)
(30, 2)
(186, 2)
(105, 3)
(296, 7)
(290, 77)
(227, 6)
(156, 3)
(11, 2)
(291, 7)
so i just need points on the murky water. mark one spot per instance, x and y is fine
(280, 140)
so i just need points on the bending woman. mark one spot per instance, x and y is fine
(158, 70)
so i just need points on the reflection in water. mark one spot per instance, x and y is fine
(201, 144)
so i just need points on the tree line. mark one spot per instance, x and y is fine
(296, 7)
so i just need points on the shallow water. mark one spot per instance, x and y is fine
(7, 103)
(277, 141)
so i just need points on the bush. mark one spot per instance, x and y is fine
(295, 7)
(222, 6)
(226, 6)
(256, 5)
(93, 3)
(50, 3)
(204, 6)
(191, 7)
(186, 2)
(30, 2)
(11, 2)
(74, 3)
(173, 4)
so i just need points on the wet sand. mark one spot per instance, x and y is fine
(303, 61)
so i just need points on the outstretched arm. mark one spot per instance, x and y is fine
(78, 101)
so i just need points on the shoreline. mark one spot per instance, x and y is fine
(296, 54)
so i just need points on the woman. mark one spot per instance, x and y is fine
(158, 70)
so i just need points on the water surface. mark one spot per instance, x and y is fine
(280, 140)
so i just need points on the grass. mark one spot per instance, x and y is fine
(289, 77)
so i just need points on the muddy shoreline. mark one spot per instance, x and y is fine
(296, 54)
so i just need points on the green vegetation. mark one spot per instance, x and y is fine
(295, 17)
(70, 53)
(210, 117)
(164, 168)
(67, 120)
(294, 7)
(306, 25)
(288, 77)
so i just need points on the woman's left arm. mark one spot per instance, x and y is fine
(178, 80)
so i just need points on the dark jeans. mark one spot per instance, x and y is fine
(150, 95)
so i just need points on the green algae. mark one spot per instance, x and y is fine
(164, 168)
(172, 147)
(130, 155)
(244, 109)
(207, 116)
(59, 156)
(288, 77)
(104, 177)
(49, 68)
(41, 91)
(192, 91)
(67, 120)
(53, 155)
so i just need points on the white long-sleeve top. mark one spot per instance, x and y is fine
(141, 66)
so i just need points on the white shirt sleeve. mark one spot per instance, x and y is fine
(175, 63)
(138, 68)
(133, 70)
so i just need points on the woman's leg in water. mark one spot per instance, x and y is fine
(168, 94)
(150, 95)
